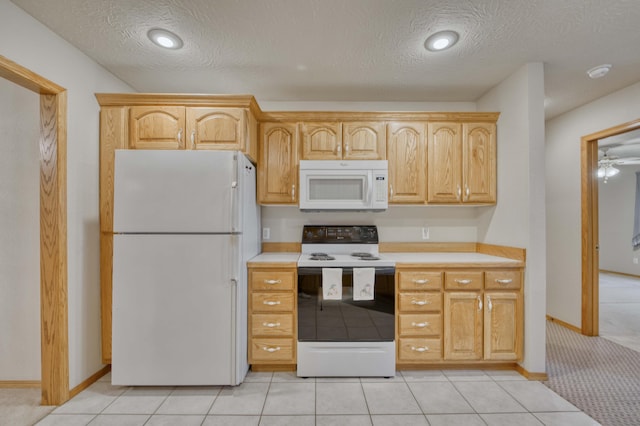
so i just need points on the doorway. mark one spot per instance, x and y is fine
(590, 228)
(53, 229)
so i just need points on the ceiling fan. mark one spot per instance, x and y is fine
(606, 163)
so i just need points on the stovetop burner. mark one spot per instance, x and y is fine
(365, 256)
(321, 256)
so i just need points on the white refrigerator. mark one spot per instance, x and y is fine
(185, 223)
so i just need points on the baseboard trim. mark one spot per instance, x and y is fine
(89, 381)
(20, 384)
(624, 274)
(564, 324)
(540, 377)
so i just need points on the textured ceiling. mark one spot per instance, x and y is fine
(355, 50)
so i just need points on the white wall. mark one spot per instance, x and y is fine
(616, 206)
(32, 45)
(19, 235)
(518, 219)
(397, 224)
(563, 133)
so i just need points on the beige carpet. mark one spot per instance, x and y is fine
(598, 376)
(21, 407)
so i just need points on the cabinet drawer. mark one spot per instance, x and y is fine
(272, 280)
(463, 280)
(272, 325)
(272, 302)
(420, 302)
(271, 349)
(503, 279)
(419, 324)
(417, 350)
(416, 280)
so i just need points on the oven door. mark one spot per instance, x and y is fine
(345, 320)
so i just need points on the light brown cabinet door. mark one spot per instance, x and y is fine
(406, 155)
(215, 128)
(479, 162)
(444, 178)
(503, 323)
(364, 141)
(278, 164)
(156, 127)
(463, 326)
(321, 141)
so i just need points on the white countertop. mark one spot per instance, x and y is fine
(429, 258)
(447, 257)
(275, 257)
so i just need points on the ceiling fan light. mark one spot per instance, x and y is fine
(601, 172)
(611, 171)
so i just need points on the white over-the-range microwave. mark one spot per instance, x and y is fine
(343, 185)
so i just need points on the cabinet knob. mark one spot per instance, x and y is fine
(459, 192)
(420, 324)
(272, 282)
(293, 192)
(479, 303)
(422, 281)
(193, 139)
(489, 304)
(271, 302)
(463, 282)
(271, 324)
(271, 350)
(180, 136)
(466, 192)
(420, 302)
(338, 148)
(504, 281)
(419, 348)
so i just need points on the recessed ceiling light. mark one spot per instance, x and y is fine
(599, 71)
(164, 38)
(441, 40)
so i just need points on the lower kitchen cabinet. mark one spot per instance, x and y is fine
(459, 315)
(503, 326)
(272, 316)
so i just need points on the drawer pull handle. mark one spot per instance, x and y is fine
(272, 281)
(271, 350)
(423, 281)
(420, 324)
(419, 348)
(271, 302)
(271, 324)
(420, 302)
(479, 303)
(463, 282)
(489, 304)
(505, 281)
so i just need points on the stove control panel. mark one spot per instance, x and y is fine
(337, 234)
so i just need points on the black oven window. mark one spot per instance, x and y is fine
(345, 320)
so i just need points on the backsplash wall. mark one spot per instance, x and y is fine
(396, 224)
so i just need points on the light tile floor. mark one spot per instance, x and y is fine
(437, 398)
(620, 309)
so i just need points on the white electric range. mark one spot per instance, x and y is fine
(347, 336)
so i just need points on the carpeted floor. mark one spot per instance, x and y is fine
(598, 376)
(21, 407)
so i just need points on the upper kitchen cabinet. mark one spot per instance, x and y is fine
(216, 128)
(407, 162)
(343, 141)
(462, 163)
(321, 141)
(167, 121)
(278, 164)
(156, 127)
(364, 141)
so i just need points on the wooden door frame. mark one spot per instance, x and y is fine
(590, 240)
(54, 330)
